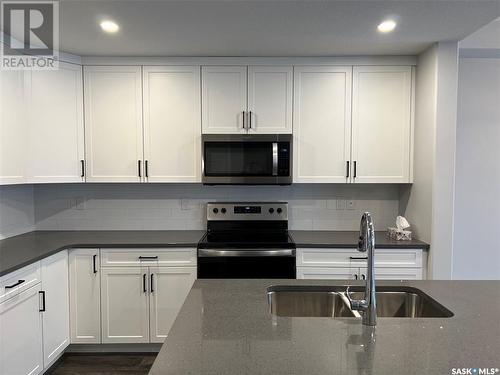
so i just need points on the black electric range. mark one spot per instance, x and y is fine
(246, 241)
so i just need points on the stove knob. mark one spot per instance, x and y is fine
(215, 210)
(271, 210)
(223, 210)
(279, 210)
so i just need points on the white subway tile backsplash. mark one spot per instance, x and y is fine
(16, 210)
(182, 206)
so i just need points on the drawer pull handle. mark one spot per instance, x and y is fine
(42, 309)
(19, 282)
(358, 258)
(148, 258)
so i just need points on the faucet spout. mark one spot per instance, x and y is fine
(368, 305)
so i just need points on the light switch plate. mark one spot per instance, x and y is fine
(341, 204)
(79, 203)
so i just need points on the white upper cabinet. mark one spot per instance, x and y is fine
(381, 124)
(56, 133)
(270, 99)
(224, 99)
(322, 123)
(113, 123)
(13, 135)
(172, 124)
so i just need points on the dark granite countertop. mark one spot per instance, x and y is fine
(21, 250)
(342, 239)
(18, 251)
(224, 327)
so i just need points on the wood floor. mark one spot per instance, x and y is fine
(104, 364)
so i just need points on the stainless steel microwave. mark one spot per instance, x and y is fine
(251, 159)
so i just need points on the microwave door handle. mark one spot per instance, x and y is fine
(275, 158)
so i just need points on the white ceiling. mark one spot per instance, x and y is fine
(266, 28)
(486, 37)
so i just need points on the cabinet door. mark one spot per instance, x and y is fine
(113, 123)
(84, 296)
(318, 273)
(270, 99)
(381, 123)
(322, 123)
(172, 123)
(169, 287)
(13, 135)
(125, 305)
(56, 125)
(56, 315)
(224, 99)
(21, 334)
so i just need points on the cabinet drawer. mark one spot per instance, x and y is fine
(398, 258)
(328, 273)
(24, 277)
(328, 257)
(351, 257)
(397, 273)
(164, 257)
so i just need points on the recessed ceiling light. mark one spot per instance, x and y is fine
(110, 26)
(387, 26)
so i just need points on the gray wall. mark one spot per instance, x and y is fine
(476, 253)
(17, 211)
(417, 199)
(181, 206)
(429, 203)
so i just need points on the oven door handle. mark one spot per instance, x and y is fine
(206, 253)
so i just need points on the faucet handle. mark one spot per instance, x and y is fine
(358, 305)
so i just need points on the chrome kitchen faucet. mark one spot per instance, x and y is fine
(368, 305)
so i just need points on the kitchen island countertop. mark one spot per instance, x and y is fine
(225, 327)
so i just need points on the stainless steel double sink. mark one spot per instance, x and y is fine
(327, 301)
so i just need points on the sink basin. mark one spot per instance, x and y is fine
(327, 301)
(405, 302)
(311, 301)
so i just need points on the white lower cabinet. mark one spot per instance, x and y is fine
(125, 305)
(55, 306)
(169, 287)
(21, 334)
(348, 264)
(127, 295)
(85, 296)
(140, 304)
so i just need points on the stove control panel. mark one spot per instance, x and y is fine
(247, 211)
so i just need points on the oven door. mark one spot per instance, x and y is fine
(246, 159)
(246, 264)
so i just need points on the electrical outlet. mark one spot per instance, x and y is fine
(351, 205)
(79, 203)
(341, 204)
